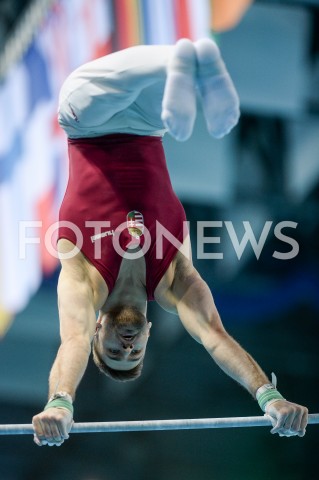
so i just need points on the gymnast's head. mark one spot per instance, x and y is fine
(120, 342)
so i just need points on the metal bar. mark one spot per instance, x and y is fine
(152, 425)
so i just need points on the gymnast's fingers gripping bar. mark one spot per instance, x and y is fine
(149, 425)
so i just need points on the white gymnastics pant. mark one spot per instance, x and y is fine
(119, 93)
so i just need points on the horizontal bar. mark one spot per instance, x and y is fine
(149, 425)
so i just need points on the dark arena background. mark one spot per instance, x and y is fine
(265, 173)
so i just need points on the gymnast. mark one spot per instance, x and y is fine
(123, 238)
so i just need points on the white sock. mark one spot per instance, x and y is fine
(179, 99)
(218, 95)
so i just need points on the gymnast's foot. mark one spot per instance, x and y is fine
(179, 100)
(218, 95)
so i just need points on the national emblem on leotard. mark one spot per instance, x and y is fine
(135, 223)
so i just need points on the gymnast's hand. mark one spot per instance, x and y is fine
(288, 419)
(52, 426)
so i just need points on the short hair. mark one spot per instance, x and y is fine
(119, 375)
(119, 313)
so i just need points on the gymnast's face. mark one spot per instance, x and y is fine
(122, 345)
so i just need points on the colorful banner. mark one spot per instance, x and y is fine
(160, 21)
(33, 159)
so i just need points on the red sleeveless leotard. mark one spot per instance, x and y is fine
(109, 177)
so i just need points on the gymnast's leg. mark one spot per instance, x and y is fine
(156, 86)
(198, 64)
(179, 100)
(218, 95)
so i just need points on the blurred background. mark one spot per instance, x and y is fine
(266, 170)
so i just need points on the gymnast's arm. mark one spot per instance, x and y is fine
(196, 308)
(77, 303)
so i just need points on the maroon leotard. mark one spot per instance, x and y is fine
(109, 176)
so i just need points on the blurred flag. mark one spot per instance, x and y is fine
(128, 27)
(158, 22)
(33, 160)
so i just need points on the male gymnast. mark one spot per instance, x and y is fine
(122, 236)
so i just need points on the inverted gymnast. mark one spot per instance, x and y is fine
(115, 111)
